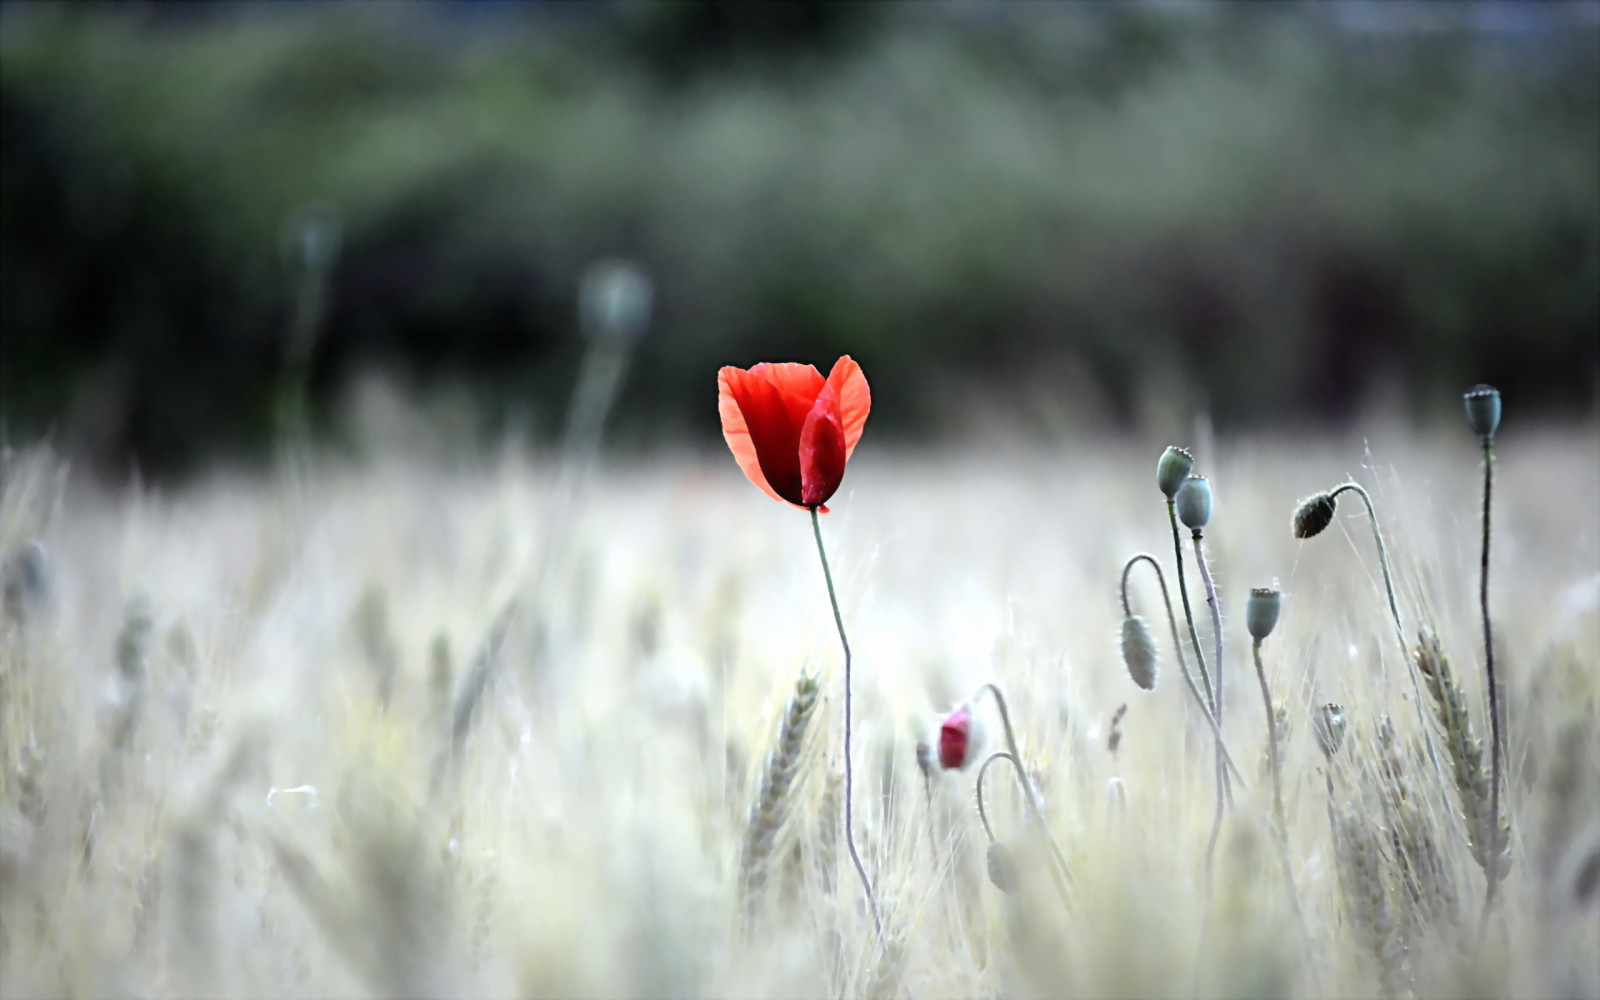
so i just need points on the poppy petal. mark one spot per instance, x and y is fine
(855, 399)
(773, 434)
(737, 433)
(798, 385)
(822, 450)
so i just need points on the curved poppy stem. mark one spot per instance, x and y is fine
(849, 768)
(983, 814)
(1064, 873)
(1177, 645)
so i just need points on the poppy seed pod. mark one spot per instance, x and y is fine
(956, 745)
(1139, 652)
(1483, 410)
(1194, 502)
(614, 300)
(1261, 612)
(1174, 466)
(1329, 725)
(1314, 514)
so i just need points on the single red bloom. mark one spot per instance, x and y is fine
(791, 430)
(955, 739)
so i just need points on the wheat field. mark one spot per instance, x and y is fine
(242, 756)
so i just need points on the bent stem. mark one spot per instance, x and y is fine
(1277, 785)
(983, 816)
(1496, 749)
(849, 768)
(1064, 873)
(1177, 645)
(1399, 630)
(1216, 629)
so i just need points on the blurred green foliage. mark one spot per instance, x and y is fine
(1263, 210)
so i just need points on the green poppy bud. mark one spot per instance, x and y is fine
(1002, 872)
(1174, 466)
(1139, 652)
(1194, 502)
(1314, 514)
(1261, 612)
(1483, 410)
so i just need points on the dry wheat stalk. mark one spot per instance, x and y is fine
(1489, 835)
(774, 802)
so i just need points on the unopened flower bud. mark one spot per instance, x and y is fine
(1002, 872)
(1171, 470)
(1139, 651)
(1261, 612)
(957, 747)
(925, 758)
(1483, 410)
(1194, 502)
(1314, 514)
(1329, 725)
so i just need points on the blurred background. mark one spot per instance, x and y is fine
(1096, 217)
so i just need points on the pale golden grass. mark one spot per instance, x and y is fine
(269, 827)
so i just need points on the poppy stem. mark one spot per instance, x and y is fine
(1063, 872)
(849, 768)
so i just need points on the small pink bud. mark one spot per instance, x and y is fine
(955, 739)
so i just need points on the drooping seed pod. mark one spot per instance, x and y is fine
(1194, 502)
(1314, 514)
(1261, 612)
(1002, 870)
(1172, 469)
(1483, 410)
(1139, 651)
(1329, 725)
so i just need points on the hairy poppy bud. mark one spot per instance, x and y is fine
(1261, 612)
(1194, 502)
(1174, 466)
(614, 300)
(1314, 514)
(1329, 725)
(1139, 652)
(925, 758)
(1002, 872)
(958, 746)
(1483, 410)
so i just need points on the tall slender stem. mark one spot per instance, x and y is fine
(1417, 700)
(1027, 786)
(1224, 789)
(849, 767)
(1277, 784)
(1216, 629)
(983, 813)
(1177, 644)
(1497, 746)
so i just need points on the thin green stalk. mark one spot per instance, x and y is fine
(1224, 787)
(849, 768)
(1216, 629)
(1065, 873)
(1177, 645)
(1417, 700)
(983, 814)
(1496, 749)
(1277, 785)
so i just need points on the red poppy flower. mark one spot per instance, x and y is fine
(955, 739)
(791, 430)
